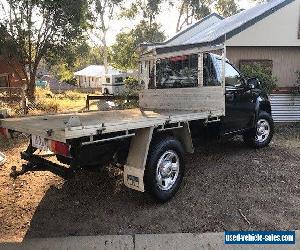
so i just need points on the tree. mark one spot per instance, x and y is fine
(32, 29)
(124, 51)
(104, 13)
(192, 9)
(73, 58)
(148, 9)
(226, 8)
(198, 9)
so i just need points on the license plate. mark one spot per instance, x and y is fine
(39, 142)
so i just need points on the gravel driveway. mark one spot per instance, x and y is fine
(228, 186)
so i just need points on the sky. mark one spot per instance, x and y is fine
(167, 19)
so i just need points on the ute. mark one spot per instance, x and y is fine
(189, 96)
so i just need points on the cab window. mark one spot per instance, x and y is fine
(232, 76)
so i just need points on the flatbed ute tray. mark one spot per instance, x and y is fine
(63, 127)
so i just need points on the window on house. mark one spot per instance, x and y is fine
(265, 63)
(107, 79)
(177, 72)
(119, 80)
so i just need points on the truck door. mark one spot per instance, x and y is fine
(239, 102)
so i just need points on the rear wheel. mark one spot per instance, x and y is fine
(263, 132)
(165, 168)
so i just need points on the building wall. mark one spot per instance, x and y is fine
(89, 82)
(286, 60)
(7, 72)
(278, 29)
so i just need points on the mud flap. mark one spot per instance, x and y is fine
(137, 157)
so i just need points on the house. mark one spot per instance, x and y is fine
(94, 76)
(268, 34)
(10, 75)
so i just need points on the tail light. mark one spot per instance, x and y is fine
(59, 148)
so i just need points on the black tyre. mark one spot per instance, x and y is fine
(165, 168)
(262, 134)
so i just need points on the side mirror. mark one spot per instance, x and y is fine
(253, 83)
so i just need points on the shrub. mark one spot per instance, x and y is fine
(268, 82)
(48, 106)
(132, 88)
(73, 95)
(132, 85)
(298, 78)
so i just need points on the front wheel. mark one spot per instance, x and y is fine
(262, 134)
(165, 168)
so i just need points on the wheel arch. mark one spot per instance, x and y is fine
(182, 134)
(265, 106)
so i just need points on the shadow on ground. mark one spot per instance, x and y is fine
(221, 179)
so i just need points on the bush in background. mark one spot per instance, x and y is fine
(132, 88)
(298, 81)
(132, 85)
(263, 74)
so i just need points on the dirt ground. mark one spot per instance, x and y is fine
(223, 182)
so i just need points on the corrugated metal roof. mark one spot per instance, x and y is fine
(232, 25)
(97, 71)
(200, 25)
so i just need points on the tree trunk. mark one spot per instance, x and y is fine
(30, 92)
(179, 17)
(105, 53)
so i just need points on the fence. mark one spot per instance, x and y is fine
(14, 96)
(285, 107)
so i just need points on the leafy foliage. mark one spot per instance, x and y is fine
(31, 29)
(298, 77)
(149, 9)
(132, 88)
(268, 82)
(297, 90)
(192, 9)
(124, 51)
(104, 11)
(73, 58)
(226, 7)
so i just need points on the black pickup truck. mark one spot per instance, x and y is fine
(183, 106)
(247, 107)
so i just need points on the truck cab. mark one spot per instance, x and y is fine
(244, 98)
(247, 106)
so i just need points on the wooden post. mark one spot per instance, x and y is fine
(24, 103)
(223, 66)
(200, 69)
(87, 105)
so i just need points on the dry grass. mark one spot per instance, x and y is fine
(48, 103)
(67, 101)
(220, 180)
